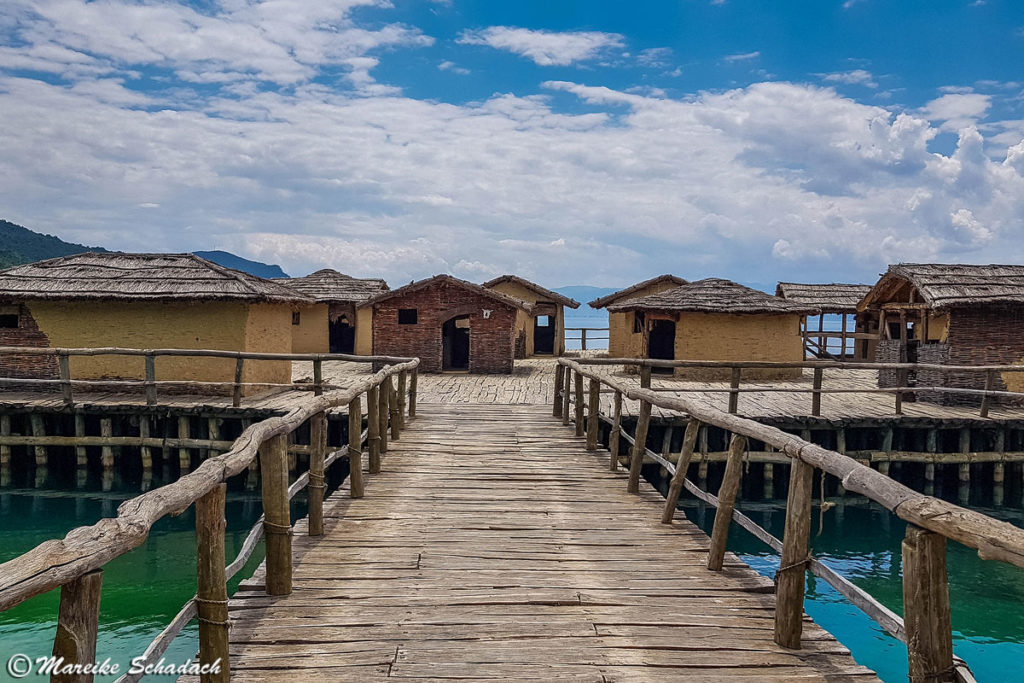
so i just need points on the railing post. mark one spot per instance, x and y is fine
(373, 426)
(318, 377)
(926, 607)
(395, 411)
(734, 391)
(355, 447)
(317, 454)
(382, 414)
(77, 623)
(593, 412)
(212, 590)
(789, 580)
(816, 392)
(556, 407)
(639, 448)
(726, 501)
(236, 397)
(579, 404)
(412, 392)
(675, 487)
(402, 387)
(565, 396)
(583, 339)
(986, 400)
(276, 514)
(616, 434)
(64, 367)
(645, 377)
(150, 379)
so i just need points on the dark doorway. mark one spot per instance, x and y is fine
(661, 343)
(341, 336)
(544, 334)
(455, 343)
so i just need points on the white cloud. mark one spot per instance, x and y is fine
(453, 67)
(957, 110)
(742, 57)
(655, 57)
(545, 48)
(854, 77)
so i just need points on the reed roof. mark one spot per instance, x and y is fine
(607, 299)
(547, 294)
(328, 286)
(455, 282)
(715, 295)
(943, 285)
(138, 277)
(830, 298)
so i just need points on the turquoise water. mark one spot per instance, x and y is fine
(585, 316)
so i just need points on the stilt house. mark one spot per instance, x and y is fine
(334, 323)
(541, 332)
(625, 327)
(832, 299)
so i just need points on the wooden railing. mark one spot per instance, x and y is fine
(925, 627)
(584, 335)
(817, 390)
(75, 563)
(150, 383)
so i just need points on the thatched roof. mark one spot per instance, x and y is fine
(714, 295)
(948, 285)
(625, 293)
(138, 277)
(455, 282)
(830, 298)
(329, 286)
(546, 294)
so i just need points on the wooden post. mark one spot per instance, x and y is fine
(593, 411)
(990, 384)
(412, 393)
(276, 515)
(395, 410)
(5, 430)
(106, 452)
(615, 436)
(382, 415)
(565, 396)
(675, 487)
(184, 457)
(583, 339)
(212, 590)
(39, 429)
(726, 501)
(81, 455)
(789, 580)
(580, 427)
(645, 377)
(816, 392)
(842, 354)
(146, 452)
(734, 394)
(639, 448)
(317, 454)
(236, 395)
(403, 382)
(556, 406)
(64, 367)
(77, 624)
(355, 447)
(926, 606)
(373, 425)
(150, 379)
(318, 377)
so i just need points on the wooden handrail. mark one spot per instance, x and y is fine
(807, 365)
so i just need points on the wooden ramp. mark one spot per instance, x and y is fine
(493, 546)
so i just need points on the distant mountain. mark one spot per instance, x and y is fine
(585, 293)
(229, 260)
(20, 245)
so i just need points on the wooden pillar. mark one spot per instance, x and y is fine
(403, 382)
(726, 501)
(145, 452)
(556, 405)
(150, 379)
(395, 410)
(373, 425)
(789, 581)
(615, 437)
(355, 446)
(580, 425)
(39, 429)
(77, 624)
(276, 515)
(211, 583)
(842, 355)
(413, 381)
(639, 447)
(986, 401)
(184, 458)
(926, 607)
(382, 414)
(816, 392)
(64, 368)
(675, 487)
(318, 377)
(317, 454)
(106, 452)
(5, 430)
(236, 394)
(593, 410)
(213, 432)
(645, 377)
(734, 394)
(583, 339)
(566, 384)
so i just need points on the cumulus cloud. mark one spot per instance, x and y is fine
(545, 48)
(957, 110)
(854, 77)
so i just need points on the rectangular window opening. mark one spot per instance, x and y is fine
(9, 320)
(638, 322)
(407, 316)
(296, 318)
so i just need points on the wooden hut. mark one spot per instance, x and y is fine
(540, 332)
(716, 319)
(144, 301)
(625, 328)
(334, 322)
(948, 314)
(449, 324)
(830, 299)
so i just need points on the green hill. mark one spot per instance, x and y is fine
(20, 245)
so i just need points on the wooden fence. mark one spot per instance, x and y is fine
(75, 563)
(925, 627)
(584, 335)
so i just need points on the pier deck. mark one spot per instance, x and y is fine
(493, 545)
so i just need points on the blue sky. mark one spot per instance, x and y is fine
(572, 142)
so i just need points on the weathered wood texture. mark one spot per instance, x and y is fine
(494, 546)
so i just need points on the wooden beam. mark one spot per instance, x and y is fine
(675, 487)
(639, 447)
(373, 425)
(77, 625)
(556, 406)
(211, 582)
(726, 502)
(276, 515)
(926, 607)
(355, 447)
(317, 454)
(614, 438)
(593, 412)
(580, 427)
(789, 580)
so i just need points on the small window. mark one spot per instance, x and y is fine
(638, 322)
(543, 321)
(296, 318)
(407, 316)
(8, 320)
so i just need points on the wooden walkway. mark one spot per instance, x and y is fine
(493, 546)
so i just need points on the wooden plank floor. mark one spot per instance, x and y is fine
(493, 546)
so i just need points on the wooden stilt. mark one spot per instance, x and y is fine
(106, 452)
(5, 430)
(211, 590)
(213, 432)
(355, 446)
(675, 487)
(726, 501)
(593, 411)
(580, 426)
(77, 624)
(373, 426)
(789, 580)
(277, 516)
(184, 432)
(926, 607)
(734, 394)
(614, 439)
(556, 404)
(639, 448)
(39, 429)
(145, 452)
(317, 453)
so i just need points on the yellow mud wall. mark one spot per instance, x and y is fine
(312, 334)
(938, 326)
(268, 329)
(622, 341)
(524, 321)
(715, 336)
(364, 331)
